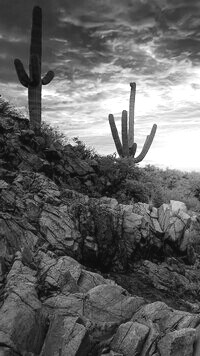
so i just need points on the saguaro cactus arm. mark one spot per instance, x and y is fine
(147, 145)
(115, 135)
(21, 73)
(48, 77)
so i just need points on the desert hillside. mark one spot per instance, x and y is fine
(97, 258)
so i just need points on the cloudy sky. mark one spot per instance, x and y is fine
(96, 48)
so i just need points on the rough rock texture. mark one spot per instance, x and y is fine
(177, 342)
(55, 311)
(86, 276)
(130, 338)
(66, 336)
(23, 322)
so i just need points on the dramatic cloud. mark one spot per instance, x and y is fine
(96, 48)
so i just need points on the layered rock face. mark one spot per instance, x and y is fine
(85, 276)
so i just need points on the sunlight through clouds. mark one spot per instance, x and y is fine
(96, 48)
(180, 148)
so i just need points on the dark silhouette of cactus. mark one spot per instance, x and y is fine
(34, 82)
(128, 147)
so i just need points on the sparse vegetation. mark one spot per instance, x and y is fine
(82, 150)
(7, 109)
(121, 179)
(52, 135)
(114, 177)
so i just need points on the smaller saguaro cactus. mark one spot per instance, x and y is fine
(127, 148)
(34, 82)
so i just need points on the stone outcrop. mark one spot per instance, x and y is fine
(82, 276)
(21, 149)
(98, 232)
(54, 310)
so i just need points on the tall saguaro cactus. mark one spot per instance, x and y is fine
(34, 82)
(127, 148)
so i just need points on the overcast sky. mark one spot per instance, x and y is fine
(96, 48)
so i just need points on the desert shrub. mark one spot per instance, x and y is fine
(121, 179)
(171, 184)
(136, 191)
(8, 109)
(52, 135)
(83, 152)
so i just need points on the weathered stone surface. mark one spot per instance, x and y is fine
(191, 234)
(100, 304)
(177, 225)
(176, 206)
(111, 353)
(197, 342)
(131, 221)
(77, 165)
(165, 318)
(89, 280)
(90, 248)
(71, 197)
(16, 233)
(59, 229)
(110, 303)
(22, 320)
(141, 209)
(109, 202)
(3, 184)
(37, 183)
(64, 304)
(66, 336)
(130, 338)
(66, 275)
(149, 347)
(164, 214)
(149, 215)
(173, 276)
(43, 223)
(178, 342)
(7, 351)
(58, 275)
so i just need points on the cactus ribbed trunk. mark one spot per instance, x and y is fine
(35, 107)
(36, 34)
(35, 92)
(125, 134)
(34, 81)
(132, 114)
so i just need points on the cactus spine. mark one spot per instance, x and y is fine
(128, 147)
(34, 82)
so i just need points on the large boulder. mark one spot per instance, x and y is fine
(178, 342)
(23, 322)
(130, 338)
(103, 303)
(65, 275)
(66, 336)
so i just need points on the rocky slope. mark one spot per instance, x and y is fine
(87, 276)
